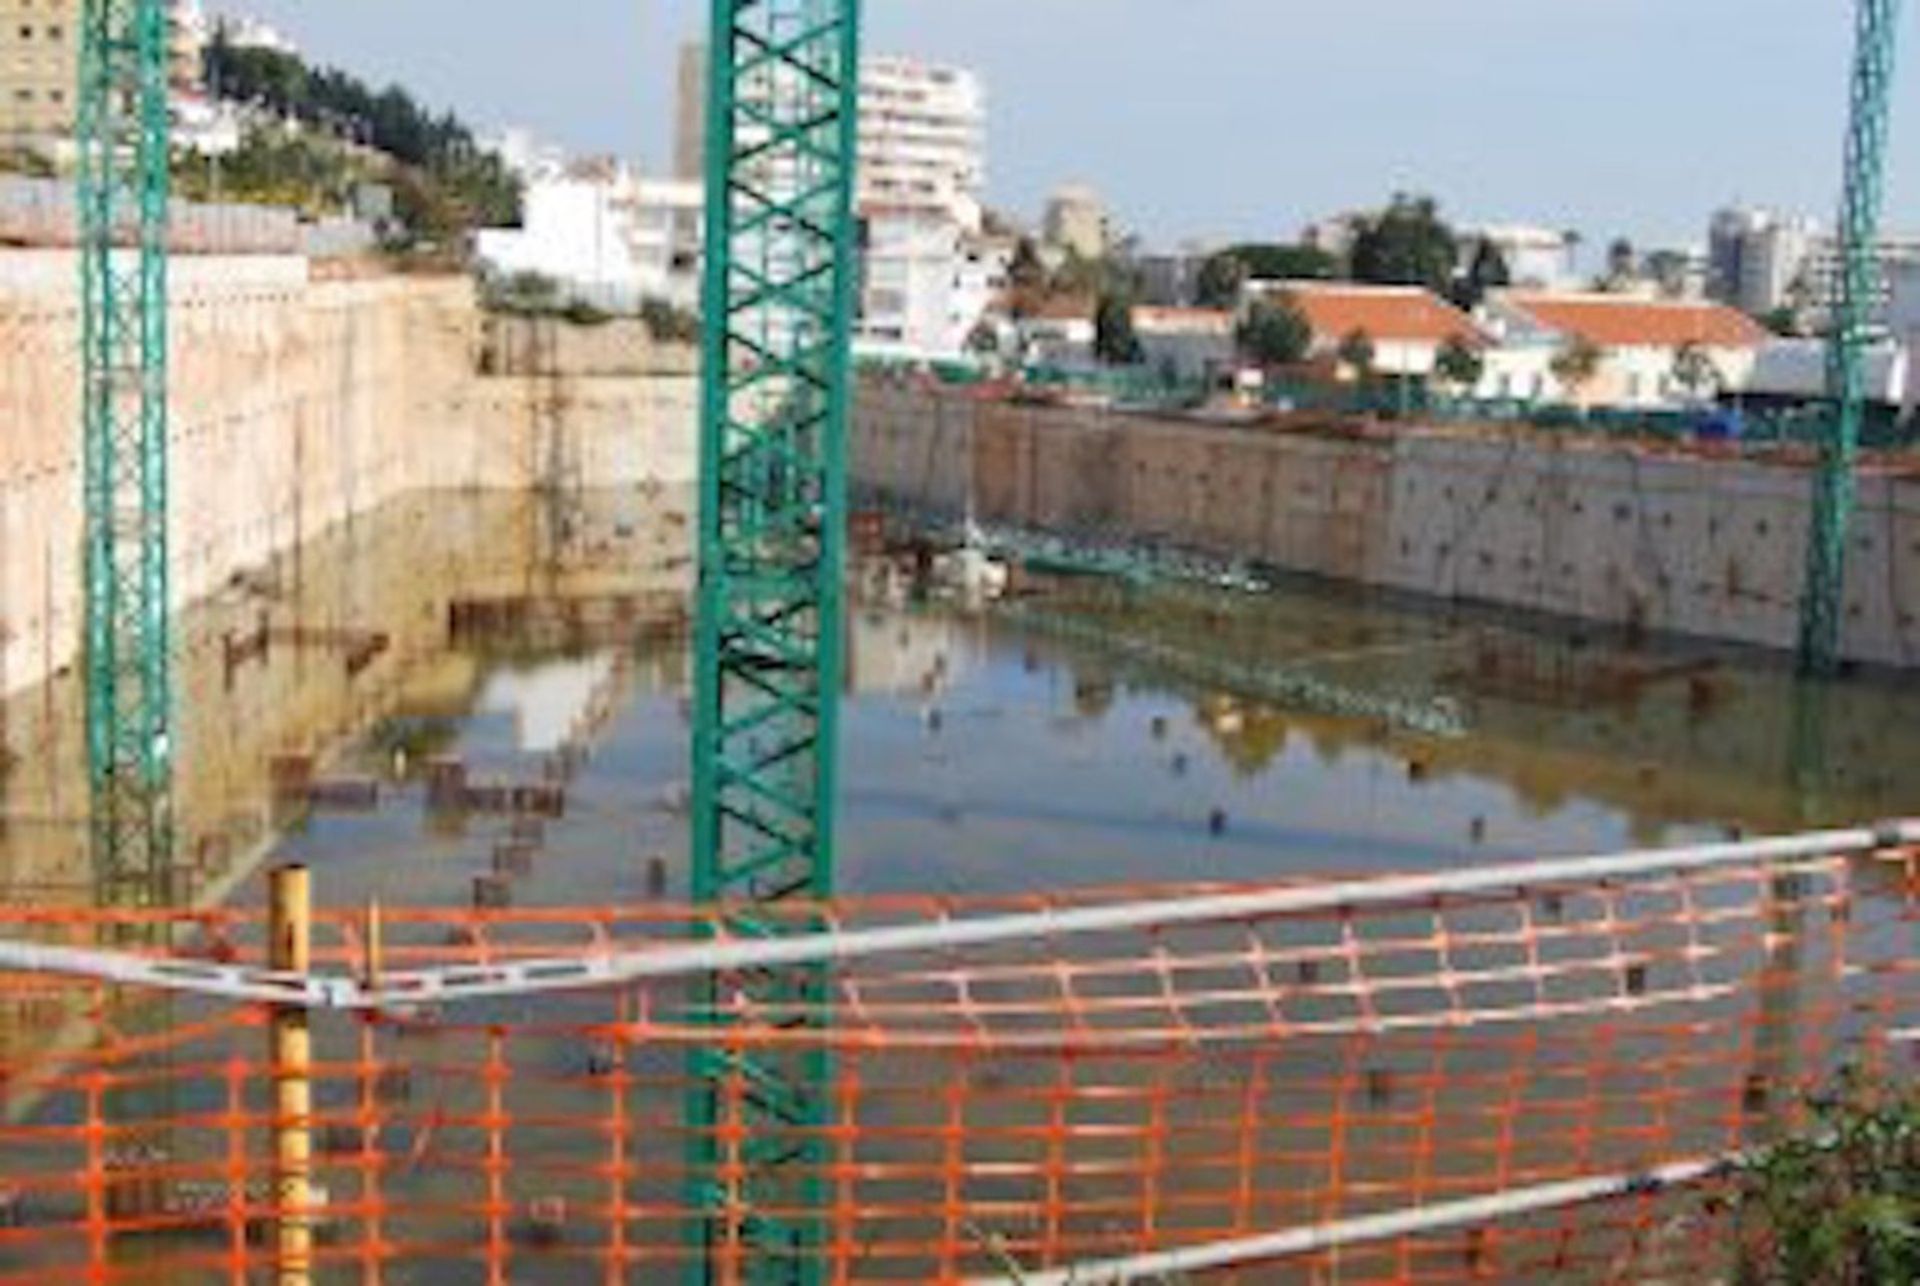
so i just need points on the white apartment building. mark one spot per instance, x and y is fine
(605, 234)
(1541, 258)
(922, 139)
(926, 284)
(1755, 257)
(928, 273)
(525, 153)
(1760, 261)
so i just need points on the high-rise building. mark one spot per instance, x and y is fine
(690, 112)
(922, 139)
(928, 270)
(1076, 220)
(1760, 261)
(1755, 258)
(39, 61)
(928, 274)
(922, 133)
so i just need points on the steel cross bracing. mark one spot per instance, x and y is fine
(122, 134)
(1835, 485)
(781, 135)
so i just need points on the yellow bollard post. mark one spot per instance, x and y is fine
(290, 922)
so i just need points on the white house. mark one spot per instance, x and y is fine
(604, 234)
(927, 281)
(1407, 325)
(1189, 344)
(1638, 340)
(669, 231)
(1060, 334)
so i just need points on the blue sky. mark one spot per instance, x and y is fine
(1245, 117)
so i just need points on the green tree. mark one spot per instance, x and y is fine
(1460, 364)
(1220, 280)
(1114, 340)
(1079, 275)
(451, 184)
(1358, 353)
(1576, 365)
(1838, 1205)
(1623, 261)
(1222, 275)
(1027, 278)
(1407, 244)
(1487, 271)
(1275, 333)
(1693, 369)
(1783, 321)
(984, 339)
(1280, 262)
(669, 323)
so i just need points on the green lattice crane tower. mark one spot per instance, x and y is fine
(783, 99)
(122, 136)
(1835, 482)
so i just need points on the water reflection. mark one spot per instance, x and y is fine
(1094, 735)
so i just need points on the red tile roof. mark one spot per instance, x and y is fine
(1065, 308)
(1155, 318)
(1617, 321)
(1389, 314)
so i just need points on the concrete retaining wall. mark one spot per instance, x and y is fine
(1706, 547)
(296, 405)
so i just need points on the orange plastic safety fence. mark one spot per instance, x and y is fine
(1019, 1107)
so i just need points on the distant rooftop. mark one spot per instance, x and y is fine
(1623, 321)
(1393, 314)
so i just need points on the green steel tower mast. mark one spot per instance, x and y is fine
(782, 114)
(1835, 486)
(122, 137)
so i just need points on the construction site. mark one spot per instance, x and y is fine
(498, 799)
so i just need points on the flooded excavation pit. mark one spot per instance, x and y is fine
(502, 782)
(399, 695)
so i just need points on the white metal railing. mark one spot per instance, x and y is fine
(720, 955)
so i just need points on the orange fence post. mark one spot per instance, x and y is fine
(290, 950)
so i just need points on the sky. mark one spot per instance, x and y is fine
(1242, 118)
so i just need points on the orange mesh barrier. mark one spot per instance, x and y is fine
(992, 1110)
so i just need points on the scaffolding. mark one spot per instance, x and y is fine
(781, 120)
(121, 137)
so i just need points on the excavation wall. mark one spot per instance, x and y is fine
(298, 403)
(1576, 528)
